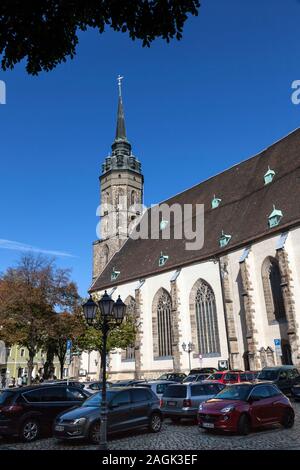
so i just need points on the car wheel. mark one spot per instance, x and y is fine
(175, 420)
(288, 419)
(243, 426)
(155, 422)
(30, 430)
(94, 433)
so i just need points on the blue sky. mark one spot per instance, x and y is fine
(193, 108)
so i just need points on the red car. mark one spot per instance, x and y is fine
(242, 407)
(233, 376)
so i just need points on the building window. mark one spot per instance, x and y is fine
(128, 354)
(204, 319)
(271, 279)
(162, 324)
(22, 352)
(105, 254)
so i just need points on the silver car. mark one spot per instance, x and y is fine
(157, 386)
(183, 400)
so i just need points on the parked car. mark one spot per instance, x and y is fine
(126, 383)
(245, 406)
(195, 378)
(232, 376)
(95, 386)
(295, 389)
(157, 386)
(203, 370)
(283, 376)
(173, 376)
(182, 400)
(29, 411)
(128, 408)
(72, 382)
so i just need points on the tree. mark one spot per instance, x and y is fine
(46, 32)
(31, 294)
(120, 336)
(66, 327)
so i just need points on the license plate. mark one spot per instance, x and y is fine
(171, 403)
(59, 428)
(208, 425)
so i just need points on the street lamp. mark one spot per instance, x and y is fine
(111, 315)
(188, 348)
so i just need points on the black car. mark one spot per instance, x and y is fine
(173, 376)
(203, 370)
(29, 411)
(126, 383)
(72, 382)
(283, 376)
(128, 408)
(295, 390)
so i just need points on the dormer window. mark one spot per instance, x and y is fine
(215, 202)
(224, 240)
(275, 217)
(114, 275)
(162, 259)
(269, 176)
(163, 224)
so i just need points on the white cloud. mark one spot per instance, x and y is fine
(17, 246)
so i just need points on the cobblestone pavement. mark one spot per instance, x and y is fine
(184, 436)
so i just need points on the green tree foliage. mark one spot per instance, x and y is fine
(31, 295)
(45, 32)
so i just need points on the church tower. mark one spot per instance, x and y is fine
(121, 187)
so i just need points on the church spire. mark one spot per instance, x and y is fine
(121, 130)
(121, 157)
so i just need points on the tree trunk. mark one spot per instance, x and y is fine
(62, 363)
(49, 366)
(30, 366)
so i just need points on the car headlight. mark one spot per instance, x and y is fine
(79, 421)
(227, 409)
(200, 407)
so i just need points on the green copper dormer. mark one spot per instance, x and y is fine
(224, 240)
(275, 217)
(269, 176)
(215, 202)
(114, 275)
(162, 259)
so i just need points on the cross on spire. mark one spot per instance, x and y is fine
(120, 78)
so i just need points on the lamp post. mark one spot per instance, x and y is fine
(188, 348)
(111, 314)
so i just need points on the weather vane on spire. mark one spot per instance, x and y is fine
(120, 84)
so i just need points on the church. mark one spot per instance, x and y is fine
(236, 299)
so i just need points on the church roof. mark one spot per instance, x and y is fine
(246, 203)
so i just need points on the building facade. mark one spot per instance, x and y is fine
(236, 299)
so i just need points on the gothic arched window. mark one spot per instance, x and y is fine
(162, 324)
(105, 254)
(132, 198)
(271, 279)
(128, 354)
(204, 319)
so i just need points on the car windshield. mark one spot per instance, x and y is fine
(6, 397)
(96, 399)
(268, 374)
(190, 378)
(234, 392)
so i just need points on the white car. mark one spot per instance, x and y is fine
(157, 386)
(95, 386)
